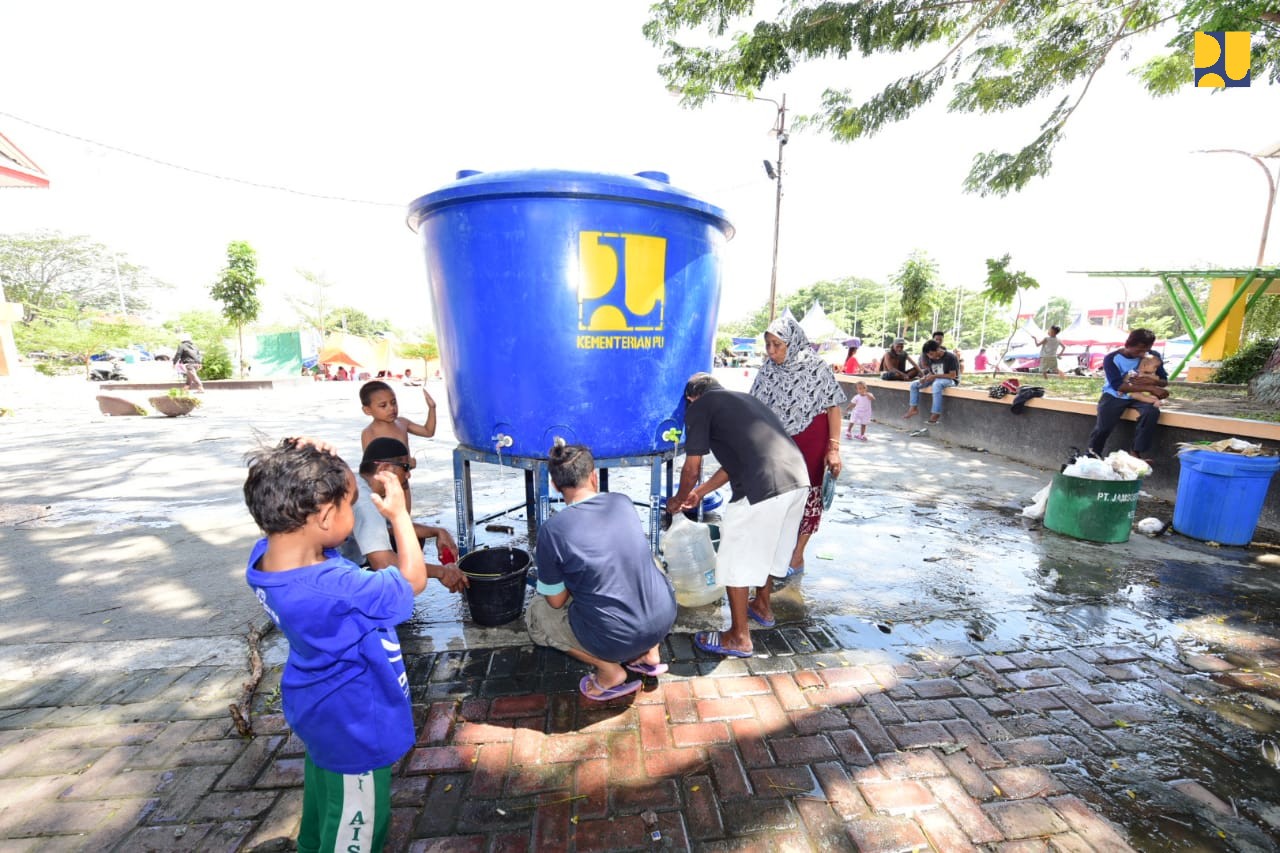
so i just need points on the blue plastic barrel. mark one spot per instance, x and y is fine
(570, 304)
(1220, 495)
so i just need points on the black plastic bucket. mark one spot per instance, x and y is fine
(497, 590)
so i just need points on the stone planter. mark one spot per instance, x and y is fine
(172, 407)
(118, 406)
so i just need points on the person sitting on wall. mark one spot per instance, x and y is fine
(942, 371)
(1117, 395)
(893, 364)
(601, 597)
(851, 365)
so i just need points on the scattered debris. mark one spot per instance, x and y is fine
(1226, 445)
(242, 711)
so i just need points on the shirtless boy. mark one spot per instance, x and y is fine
(379, 403)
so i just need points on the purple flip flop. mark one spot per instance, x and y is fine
(760, 620)
(650, 669)
(709, 641)
(604, 694)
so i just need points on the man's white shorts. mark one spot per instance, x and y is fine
(756, 540)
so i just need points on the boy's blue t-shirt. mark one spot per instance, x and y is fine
(344, 687)
(623, 605)
(1115, 367)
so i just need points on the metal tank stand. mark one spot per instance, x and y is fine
(537, 489)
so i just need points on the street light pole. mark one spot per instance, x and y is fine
(1271, 188)
(774, 171)
(781, 130)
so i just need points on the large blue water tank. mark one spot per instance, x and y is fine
(570, 304)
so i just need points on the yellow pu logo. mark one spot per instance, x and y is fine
(1221, 59)
(623, 283)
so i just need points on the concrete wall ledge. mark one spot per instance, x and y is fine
(210, 385)
(1048, 428)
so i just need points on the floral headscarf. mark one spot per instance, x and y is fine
(802, 386)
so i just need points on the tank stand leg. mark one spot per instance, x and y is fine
(463, 506)
(655, 501)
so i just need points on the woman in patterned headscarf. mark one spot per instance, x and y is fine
(801, 390)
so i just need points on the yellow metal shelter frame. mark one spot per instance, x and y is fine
(1228, 312)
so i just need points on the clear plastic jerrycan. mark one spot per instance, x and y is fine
(691, 562)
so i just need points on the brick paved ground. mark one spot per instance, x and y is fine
(804, 747)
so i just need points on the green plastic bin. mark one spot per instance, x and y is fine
(1093, 510)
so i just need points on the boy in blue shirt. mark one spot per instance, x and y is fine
(344, 686)
(1117, 394)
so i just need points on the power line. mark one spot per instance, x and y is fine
(157, 161)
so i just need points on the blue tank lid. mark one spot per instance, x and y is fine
(643, 188)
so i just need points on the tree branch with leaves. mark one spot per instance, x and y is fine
(998, 54)
(1003, 287)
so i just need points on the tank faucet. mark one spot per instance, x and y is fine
(502, 440)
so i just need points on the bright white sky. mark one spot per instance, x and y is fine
(387, 101)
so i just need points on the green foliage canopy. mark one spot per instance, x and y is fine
(237, 290)
(917, 277)
(999, 56)
(356, 322)
(237, 287)
(67, 332)
(1003, 285)
(46, 270)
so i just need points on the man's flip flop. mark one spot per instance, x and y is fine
(604, 694)
(709, 642)
(650, 669)
(760, 620)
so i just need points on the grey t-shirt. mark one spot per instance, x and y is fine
(370, 532)
(748, 441)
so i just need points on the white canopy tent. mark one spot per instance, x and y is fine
(1083, 333)
(820, 329)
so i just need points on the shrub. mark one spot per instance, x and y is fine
(217, 362)
(46, 368)
(183, 394)
(1239, 368)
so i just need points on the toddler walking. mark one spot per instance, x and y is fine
(860, 411)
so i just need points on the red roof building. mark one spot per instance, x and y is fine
(17, 169)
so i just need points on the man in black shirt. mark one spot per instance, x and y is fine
(941, 371)
(189, 359)
(770, 483)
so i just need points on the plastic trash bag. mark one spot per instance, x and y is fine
(1091, 468)
(1128, 467)
(1038, 503)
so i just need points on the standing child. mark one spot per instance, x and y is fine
(860, 411)
(379, 403)
(344, 688)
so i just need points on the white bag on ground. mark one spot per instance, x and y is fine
(1038, 504)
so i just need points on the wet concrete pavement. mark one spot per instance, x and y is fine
(946, 674)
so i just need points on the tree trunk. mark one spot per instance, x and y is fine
(1016, 311)
(240, 349)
